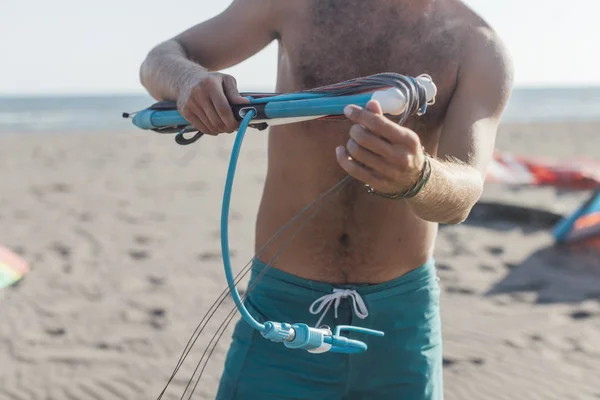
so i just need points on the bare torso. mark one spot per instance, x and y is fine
(356, 237)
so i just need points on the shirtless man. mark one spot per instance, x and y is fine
(379, 249)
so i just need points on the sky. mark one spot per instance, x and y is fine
(82, 47)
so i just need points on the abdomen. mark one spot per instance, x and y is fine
(354, 236)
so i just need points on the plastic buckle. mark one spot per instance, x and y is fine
(357, 329)
(319, 340)
(342, 344)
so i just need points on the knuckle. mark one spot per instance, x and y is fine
(403, 162)
(411, 138)
(415, 144)
(204, 83)
(197, 90)
(229, 78)
(207, 85)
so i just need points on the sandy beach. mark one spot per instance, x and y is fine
(122, 234)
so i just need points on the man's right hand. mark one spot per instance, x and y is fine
(204, 100)
(184, 68)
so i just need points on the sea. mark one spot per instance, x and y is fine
(103, 113)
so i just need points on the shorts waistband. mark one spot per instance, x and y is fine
(413, 280)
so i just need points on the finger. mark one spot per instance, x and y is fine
(198, 111)
(374, 106)
(368, 159)
(382, 126)
(396, 155)
(197, 102)
(231, 91)
(224, 112)
(407, 138)
(196, 122)
(355, 170)
(371, 142)
(212, 117)
(373, 122)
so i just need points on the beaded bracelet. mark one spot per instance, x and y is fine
(425, 174)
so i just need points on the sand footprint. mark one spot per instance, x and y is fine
(487, 268)
(214, 255)
(495, 250)
(581, 315)
(139, 255)
(460, 290)
(142, 240)
(448, 362)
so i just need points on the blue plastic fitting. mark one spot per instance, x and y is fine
(277, 331)
(306, 338)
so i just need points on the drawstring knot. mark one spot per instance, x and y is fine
(325, 302)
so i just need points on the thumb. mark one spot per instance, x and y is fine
(231, 91)
(374, 107)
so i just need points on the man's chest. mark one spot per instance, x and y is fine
(333, 40)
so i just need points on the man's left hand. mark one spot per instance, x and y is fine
(381, 153)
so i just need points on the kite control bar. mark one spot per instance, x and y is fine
(278, 109)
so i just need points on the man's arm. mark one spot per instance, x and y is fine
(183, 68)
(389, 158)
(468, 137)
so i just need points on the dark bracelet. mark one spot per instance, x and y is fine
(423, 179)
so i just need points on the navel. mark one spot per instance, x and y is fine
(344, 240)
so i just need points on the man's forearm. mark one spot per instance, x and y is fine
(452, 190)
(166, 69)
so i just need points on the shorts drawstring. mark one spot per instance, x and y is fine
(324, 302)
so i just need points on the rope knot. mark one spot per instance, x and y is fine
(323, 304)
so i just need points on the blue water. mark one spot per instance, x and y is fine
(103, 113)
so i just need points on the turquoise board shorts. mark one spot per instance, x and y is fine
(405, 364)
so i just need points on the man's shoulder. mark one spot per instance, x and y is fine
(485, 72)
(480, 43)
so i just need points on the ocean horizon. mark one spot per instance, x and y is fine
(103, 113)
